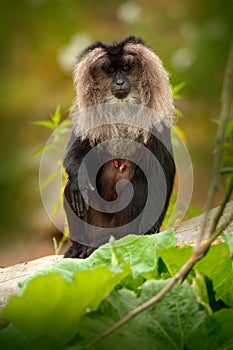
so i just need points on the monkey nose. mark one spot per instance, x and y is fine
(120, 82)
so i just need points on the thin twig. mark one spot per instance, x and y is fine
(220, 229)
(221, 208)
(226, 100)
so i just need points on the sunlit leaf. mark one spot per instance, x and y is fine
(46, 123)
(217, 265)
(176, 89)
(199, 288)
(53, 304)
(56, 117)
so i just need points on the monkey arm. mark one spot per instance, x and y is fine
(77, 187)
(161, 147)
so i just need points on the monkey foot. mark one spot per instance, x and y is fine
(80, 251)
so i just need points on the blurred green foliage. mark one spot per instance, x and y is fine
(192, 38)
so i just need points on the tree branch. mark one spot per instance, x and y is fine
(222, 206)
(226, 100)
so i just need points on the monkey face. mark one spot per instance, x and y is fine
(123, 76)
(119, 74)
(115, 79)
(128, 71)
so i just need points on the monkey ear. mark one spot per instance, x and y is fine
(154, 86)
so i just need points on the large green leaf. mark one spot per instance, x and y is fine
(217, 265)
(174, 317)
(174, 258)
(166, 325)
(138, 251)
(52, 305)
(214, 333)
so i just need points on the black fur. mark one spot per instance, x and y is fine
(74, 157)
(114, 50)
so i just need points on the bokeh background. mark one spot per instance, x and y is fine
(39, 40)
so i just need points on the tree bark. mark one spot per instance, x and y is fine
(187, 231)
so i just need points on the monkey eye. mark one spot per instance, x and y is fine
(111, 69)
(126, 67)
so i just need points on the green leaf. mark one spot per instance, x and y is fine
(215, 121)
(200, 290)
(43, 149)
(55, 246)
(137, 251)
(166, 325)
(172, 319)
(66, 123)
(174, 258)
(11, 338)
(46, 123)
(51, 305)
(228, 238)
(56, 206)
(178, 113)
(50, 179)
(117, 305)
(217, 265)
(176, 89)
(56, 117)
(214, 333)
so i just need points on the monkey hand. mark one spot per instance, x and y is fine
(80, 189)
(80, 197)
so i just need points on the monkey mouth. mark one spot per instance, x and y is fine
(121, 94)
